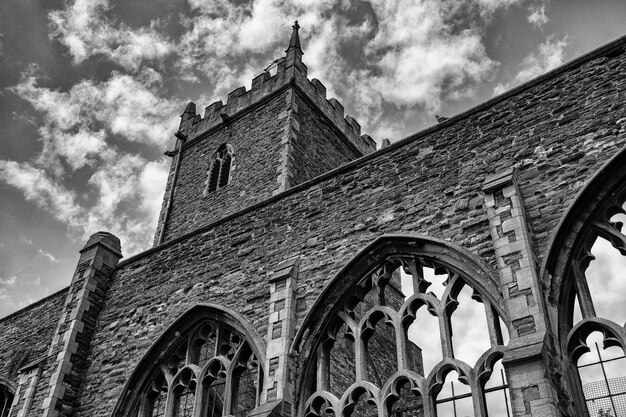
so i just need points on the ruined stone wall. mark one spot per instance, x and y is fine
(316, 145)
(557, 133)
(257, 141)
(25, 335)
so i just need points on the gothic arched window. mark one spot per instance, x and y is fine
(593, 306)
(209, 369)
(412, 335)
(219, 170)
(6, 399)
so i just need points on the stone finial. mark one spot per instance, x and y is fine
(294, 42)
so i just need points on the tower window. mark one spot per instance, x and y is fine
(219, 170)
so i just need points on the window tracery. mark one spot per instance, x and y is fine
(219, 170)
(592, 311)
(210, 372)
(378, 357)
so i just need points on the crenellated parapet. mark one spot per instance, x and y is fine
(283, 131)
(291, 72)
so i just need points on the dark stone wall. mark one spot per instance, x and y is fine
(557, 133)
(26, 335)
(316, 147)
(256, 138)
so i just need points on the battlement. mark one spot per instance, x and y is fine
(289, 72)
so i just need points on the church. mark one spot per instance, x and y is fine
(299, 271)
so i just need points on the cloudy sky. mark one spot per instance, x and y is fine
(91, 90)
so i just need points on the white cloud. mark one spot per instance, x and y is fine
(537, 16)
(10, 281)
(410, 54)
(414, 54)
(123, 188)
(549, 55)
(118, 185)
(48, 256)
(78, 122)
(85, 30)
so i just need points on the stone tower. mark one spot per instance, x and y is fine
(297, 273)
(279, 134)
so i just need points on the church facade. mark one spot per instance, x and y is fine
(299, 271)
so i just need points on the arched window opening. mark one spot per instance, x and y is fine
(210, 371)
(423, 333)
(455, 397)
(155, 401)
(247, 385)
(214, 390)
(185, 394)
(342, 360)
(469, 342)
(393, 332)
(496, 391)
(602, 372)
(594, 311)
(409, 402)
(605, 279)
(204, 345)
(6, 399)
(382, 358)
(225, 170)
(219, 169)
(365, 406)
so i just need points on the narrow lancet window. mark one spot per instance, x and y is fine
(219, 169)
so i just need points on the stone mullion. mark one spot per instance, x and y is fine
(170, 402)
(478, 398)
(198, 397)
(582, 292)
(360, 356)
(323, 369)
(495, 337)
(417, 275)
(401, 350)
(445, 332)
(228, 389)
(218, 340)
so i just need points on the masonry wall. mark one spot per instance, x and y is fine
(556, 133)
(316, 145)
(257, 141)
(26, 335)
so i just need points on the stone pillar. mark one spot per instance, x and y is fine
(280, 333)
(70, 344)
(532, 392)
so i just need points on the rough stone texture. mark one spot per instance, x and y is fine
(25, 335)
(557, 132)
(316, 146)
(288, 140)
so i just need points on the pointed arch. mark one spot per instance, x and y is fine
(573, 228)
(386, 282)
(566, 269)
(220, 167)
(176, 340)
(7, 393)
